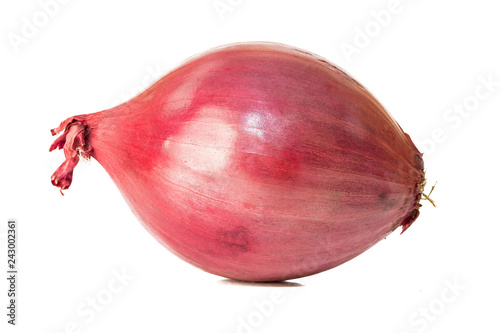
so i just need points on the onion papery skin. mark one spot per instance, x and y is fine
(256, 162)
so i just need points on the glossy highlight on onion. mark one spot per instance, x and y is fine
(255, 161)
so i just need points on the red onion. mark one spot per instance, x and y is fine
(257, 162)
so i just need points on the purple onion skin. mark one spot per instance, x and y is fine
(256, 162)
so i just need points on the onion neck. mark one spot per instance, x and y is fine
(73, 141)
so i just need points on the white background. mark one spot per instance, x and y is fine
(89, 55)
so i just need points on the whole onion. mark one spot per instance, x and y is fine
(255, 161)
